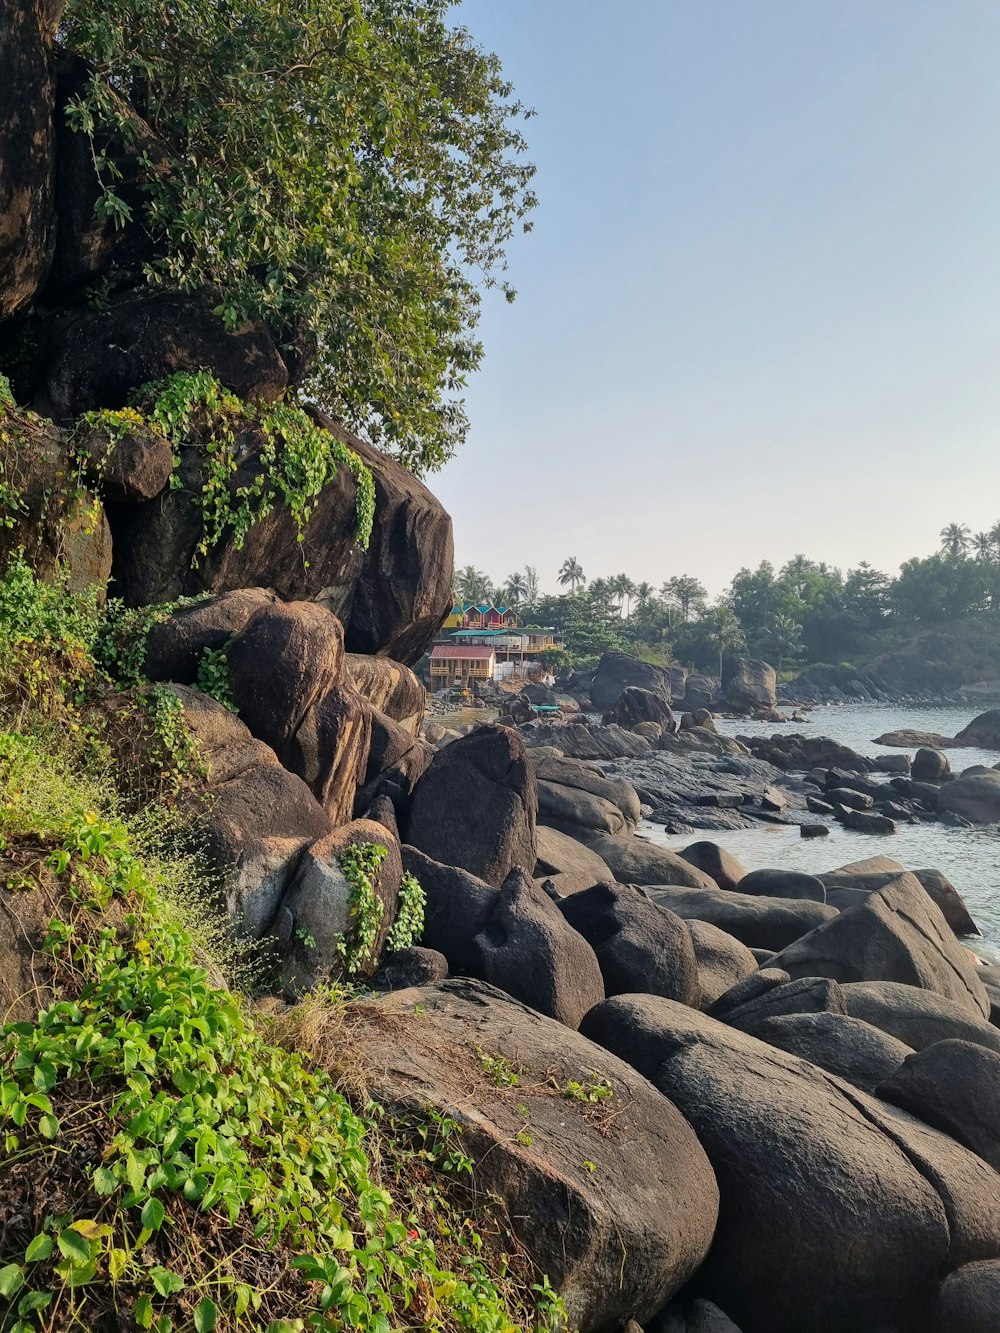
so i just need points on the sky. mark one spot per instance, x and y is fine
(759, 312)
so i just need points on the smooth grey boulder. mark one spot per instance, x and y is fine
(457, 907)
(806, 995)
(784, 884)
(955, 1086)
(750, 988)
(527, 948)
(475, 806)
(837, 1212)
(863, 877)
(721, 866)
(633, 860)
(764, 923)
(578, 799)
(897, 934)
(853, 1050)
(412, 966)
(722, 960)
(567, 864)
(974, 796)
(619, 1241)
(969, 1299)
(917, 1017)
(640, 947)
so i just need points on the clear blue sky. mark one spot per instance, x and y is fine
(759, 312)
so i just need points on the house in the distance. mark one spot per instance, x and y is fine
(460, 664)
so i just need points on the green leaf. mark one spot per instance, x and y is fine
(48, 1126)
(204, 1316)
(166, 1282)
(45, 1076)
(143, 1312)
(11, 1280)
(105, 1181)
(39, 1248)
(33, 1300)
(74, 1246)
(152, 1214)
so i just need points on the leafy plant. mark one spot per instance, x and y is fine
(596, 1089)
(349, 173)
(296, 458)
(499, 1069)
(409, 923)
(213, 676)
(361, 864)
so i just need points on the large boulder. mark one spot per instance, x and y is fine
(475, 807)
(852, 884)
(457, 907)
(721, 866)
(930, 765)
(390, 687)
(640, 947)
(258, 818)
(793, 884)
(330, 750)
(579, 800)
(983, 731)
(391, 598)
(326, 926)
(969, 1299)
(587, 741)
(526, 948)
(612, 1198)
(618, 672)
(759, 923)
(99, 357)
(748, 684)
(974, 796)
(566, 864)
(897, 934)
(175, 644)
(284, 660)
(917, 1017)
(837, 1213)
(635, 706)
(633, 860)
(723, 961)
(396, 763)
(57, 524)
(954, 1085)
(854, 1051)
(27, 136)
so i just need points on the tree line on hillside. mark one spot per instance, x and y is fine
(805, 612)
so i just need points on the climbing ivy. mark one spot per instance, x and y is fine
(213, 677)
(409, 923)
(365, 909)
(297, 458)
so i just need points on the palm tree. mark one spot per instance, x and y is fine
(472, 585)
(643, 592)
(726, 631)
(515, 589)
(601, 591)
(983, 545)
(531, 588)
(571, 572)
(955, 540)
(623, 588)
(786, 636)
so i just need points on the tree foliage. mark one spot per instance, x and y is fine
(348, 170)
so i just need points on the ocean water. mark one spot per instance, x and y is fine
(969, 857)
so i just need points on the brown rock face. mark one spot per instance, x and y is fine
(330, 750)
(100, 356)
(27, 97)
(391, 598)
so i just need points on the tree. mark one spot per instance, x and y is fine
(984, 546)
(571, 572)
(643, 593)
(623, 588)
(515, 589)
(786, 636)
(687, 592)
(531, 588)
(472, 585)
(349, 173)
(955, 539)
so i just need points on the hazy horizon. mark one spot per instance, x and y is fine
(758, 311)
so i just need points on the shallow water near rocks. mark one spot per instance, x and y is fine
(969, 857)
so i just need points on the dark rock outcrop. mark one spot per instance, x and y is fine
(762, 923)
(330, 749)
(457, 907)
(412, 966)
(845, 1046)
(749, 684)
(721, 866)
(917, 1017)
(784, 884)
(569, 866)
(723, 961)
(969, 1299)
(527, 949)
(974, 796)
(955, 1086)
(635, 706)
(174, 646)
(898, 934)
(578, 799)
(475, 807)
(806, 1164)
(640, 947)
(618, 1241)
(618, 672)
(635, 861)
